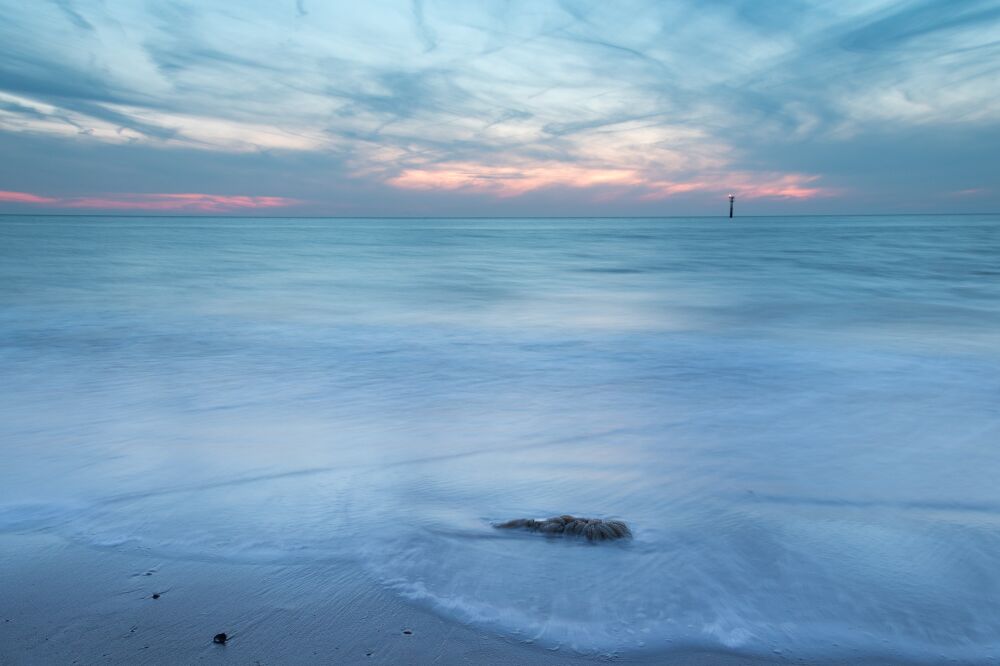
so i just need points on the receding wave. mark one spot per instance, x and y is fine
(799, 430)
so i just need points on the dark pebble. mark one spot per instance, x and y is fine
(220, 639)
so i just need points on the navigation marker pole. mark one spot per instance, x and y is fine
(732, 198)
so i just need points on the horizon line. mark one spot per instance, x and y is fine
(484, 217)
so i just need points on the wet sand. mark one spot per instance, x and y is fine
(65, 603)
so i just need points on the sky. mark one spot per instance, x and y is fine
(522, 108)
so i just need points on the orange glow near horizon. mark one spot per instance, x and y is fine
(510, 181)
(497, 181)
(788, 186)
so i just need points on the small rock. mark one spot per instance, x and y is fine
(593, 529)
(220, 639)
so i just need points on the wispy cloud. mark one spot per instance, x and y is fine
(624, 104)
(172, 202)
(511, 181)
(25, 197)
(66, 6)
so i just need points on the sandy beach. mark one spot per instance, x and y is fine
(64, 603)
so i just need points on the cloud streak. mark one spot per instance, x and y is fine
(512, 181)
(160, 202)
(25, 198)
(630, 106)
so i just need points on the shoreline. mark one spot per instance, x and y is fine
(69, 603)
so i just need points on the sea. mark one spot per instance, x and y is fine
(799, 417)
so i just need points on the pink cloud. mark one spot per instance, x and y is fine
(510, 181)
(23, 197)
(778, 186)
(745, 185)
(209, 203)
(191, 202)
(607, 183)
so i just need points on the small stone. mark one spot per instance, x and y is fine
(592, 529)
(156, 596)
(220, 639)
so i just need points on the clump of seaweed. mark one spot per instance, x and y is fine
(593, 529)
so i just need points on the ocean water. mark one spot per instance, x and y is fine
(799, 417)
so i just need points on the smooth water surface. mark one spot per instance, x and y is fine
(799, 417)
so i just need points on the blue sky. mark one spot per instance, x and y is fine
(580, 107)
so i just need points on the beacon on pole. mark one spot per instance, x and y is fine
(732, 198)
